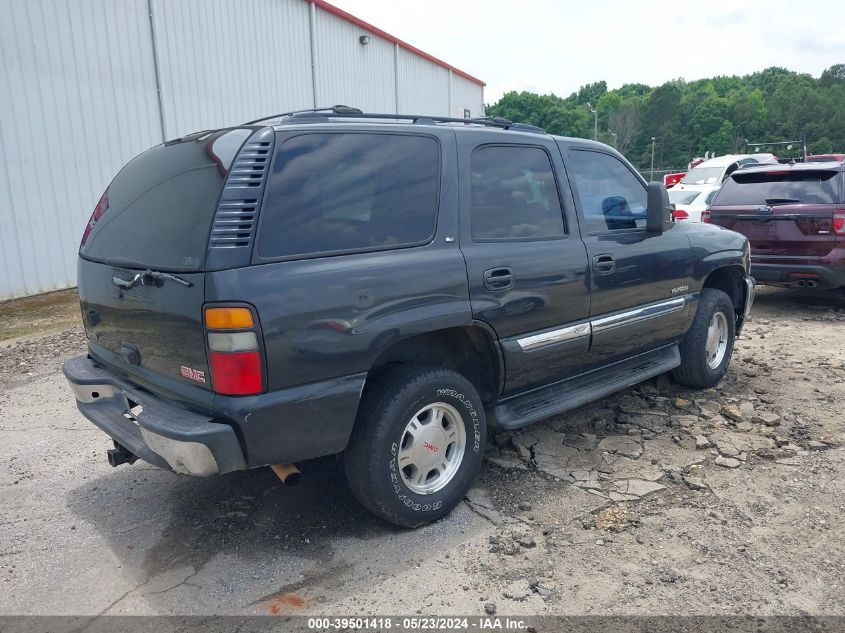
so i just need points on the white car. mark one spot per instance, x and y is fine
(712, 173)
(689, 203)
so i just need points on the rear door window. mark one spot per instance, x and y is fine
(612, 197)
(780, 187)
(332, 193)
(513, 194)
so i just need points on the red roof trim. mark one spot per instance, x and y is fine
(330, 8)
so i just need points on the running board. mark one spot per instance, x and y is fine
(569, 394)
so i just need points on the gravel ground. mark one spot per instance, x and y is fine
(657, 500)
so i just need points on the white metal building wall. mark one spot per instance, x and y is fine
(423, 86)
(350, 73)
(79, 97)
(77, 100)
(222, 62)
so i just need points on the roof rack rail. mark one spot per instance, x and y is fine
(335, 109)
(347, 112)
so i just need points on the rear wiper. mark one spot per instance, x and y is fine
(141, 277)
(782, 200)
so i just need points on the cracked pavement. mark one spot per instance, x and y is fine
(655, 500)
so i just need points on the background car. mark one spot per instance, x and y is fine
(691, 203)
(794, 218)
(714, 171)
(826, 158)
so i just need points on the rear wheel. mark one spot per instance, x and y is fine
(708, 345)
(417, 446)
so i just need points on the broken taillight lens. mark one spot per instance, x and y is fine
(99, 210)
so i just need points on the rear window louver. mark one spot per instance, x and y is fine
(237, 211)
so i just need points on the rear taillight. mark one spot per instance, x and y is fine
(680, 214)
(99, 210)
(234, 356)
(705, 216)
(839, 221)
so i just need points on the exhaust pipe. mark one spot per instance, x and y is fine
(801, 283)
(288, 473)
(811, 283)
(120, 455)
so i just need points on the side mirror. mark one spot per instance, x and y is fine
(659, 209)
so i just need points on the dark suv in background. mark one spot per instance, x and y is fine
(794, 217)
(385, 287)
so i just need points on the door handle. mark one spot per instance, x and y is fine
(498, 278)
(604, 264)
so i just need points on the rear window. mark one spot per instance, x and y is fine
(157, 212)
(703, 176)
(780, 187)
(682, 197)
(342, 192)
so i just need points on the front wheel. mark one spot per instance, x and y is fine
(417, 445)
(707, 347)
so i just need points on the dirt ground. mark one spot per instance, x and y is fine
(658, 500)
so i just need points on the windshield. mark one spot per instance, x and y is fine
(780, 187)
(703, 176)
(682, 197)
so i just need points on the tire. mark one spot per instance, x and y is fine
(382, 440)
(694, 370)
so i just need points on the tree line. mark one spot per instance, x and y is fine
(725, 114)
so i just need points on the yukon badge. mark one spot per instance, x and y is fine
(192, 374)
(679, 289)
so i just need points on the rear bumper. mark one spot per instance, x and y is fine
(787, 274)
(157, 431)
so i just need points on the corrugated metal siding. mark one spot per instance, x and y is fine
(77, 100)
(466, 94)
(423, 86)
(349, 72)
(222, 63)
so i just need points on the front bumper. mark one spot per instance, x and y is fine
(750, 292)
(157, 431)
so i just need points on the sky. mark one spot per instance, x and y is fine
(545, 46)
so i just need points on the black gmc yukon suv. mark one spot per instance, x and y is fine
(385, 287)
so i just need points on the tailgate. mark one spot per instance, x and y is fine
(156, 326)
(792, 230)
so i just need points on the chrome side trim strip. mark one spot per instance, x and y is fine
(639, 314)
(555, 336)
(579, 330)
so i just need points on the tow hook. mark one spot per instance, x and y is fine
(288, 473)
(120, 455)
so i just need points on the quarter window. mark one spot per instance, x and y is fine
(513, 194)
(335, 193)
(611, 197)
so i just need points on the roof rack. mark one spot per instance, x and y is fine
(313, 115)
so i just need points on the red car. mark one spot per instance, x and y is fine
(825, 158)
(794, 218)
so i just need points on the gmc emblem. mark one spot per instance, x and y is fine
(192, 374)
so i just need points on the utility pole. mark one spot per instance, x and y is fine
(652, 158)
(613, 134)
(596, 121)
